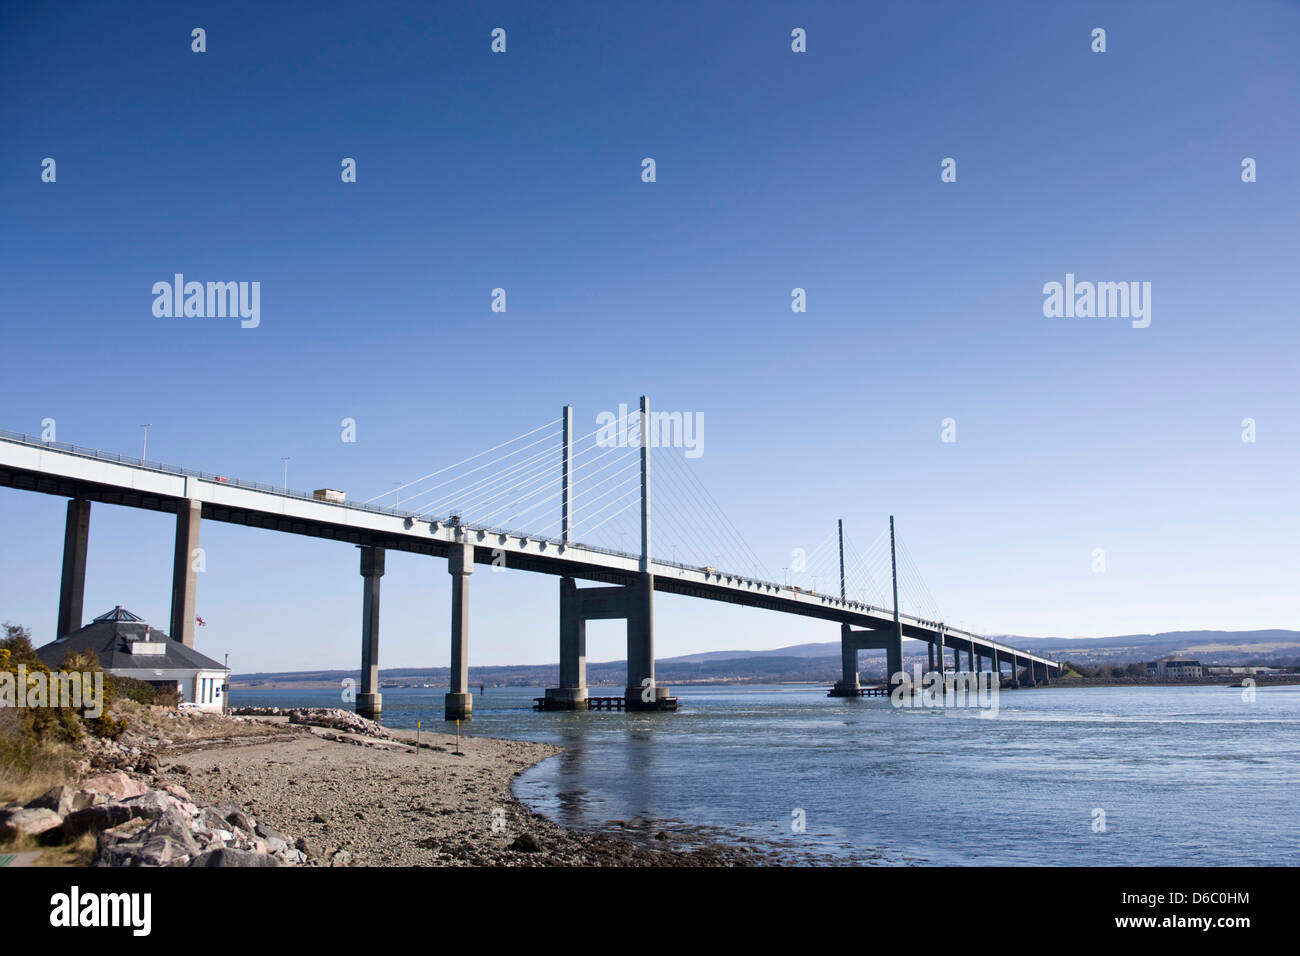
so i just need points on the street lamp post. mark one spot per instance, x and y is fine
(286, 472)
(144, 451)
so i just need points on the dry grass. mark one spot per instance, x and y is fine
(80, 852)
(27, 771)
(24, 787)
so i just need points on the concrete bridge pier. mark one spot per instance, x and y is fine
(369, 700)
(72, 589)
(185, 578)
(852, 641)
(1015, 671)
(633, 603)
(894, 657)
(847, 685)
(572, 692)
(642, 693)
(459, 702)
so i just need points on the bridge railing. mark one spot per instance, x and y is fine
(83, 451)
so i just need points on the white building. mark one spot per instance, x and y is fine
(1175, 668)
(128, 647)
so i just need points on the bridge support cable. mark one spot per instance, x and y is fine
(538, 468)
(862, 582)
(684, 527)
(925, 603)
(484, 486)
(689, 523)
(463, 461)
(514, 506)
(720, 521)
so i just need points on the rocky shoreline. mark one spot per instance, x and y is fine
(136, 813)
(325, 787)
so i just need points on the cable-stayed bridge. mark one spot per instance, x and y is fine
(546, 501)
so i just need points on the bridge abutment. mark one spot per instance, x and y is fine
(459, 702)
(369, 700)
(72, 588)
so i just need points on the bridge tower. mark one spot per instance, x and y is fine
(572, 692)
(894, 649)
(847, 685)
(632, 602)
(641, 692)
(852, 641)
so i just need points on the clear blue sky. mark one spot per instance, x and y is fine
(775, 170)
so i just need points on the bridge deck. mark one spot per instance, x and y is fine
(75, 472)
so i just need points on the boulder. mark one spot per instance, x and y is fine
(122, 833)
(269, 833)
(177, 791)
(58, 799)
(152, 804)
(238, 818)
(226, 856)
(526, 843)
(95, 819)
(146, 763)
(29, 822)
(165, 841)
(82, 799)
(116, 785)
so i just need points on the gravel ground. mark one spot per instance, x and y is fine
(391, 805)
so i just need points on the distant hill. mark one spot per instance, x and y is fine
(1074, 645)
(821, 661)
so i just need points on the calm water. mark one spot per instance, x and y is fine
(1185, 775)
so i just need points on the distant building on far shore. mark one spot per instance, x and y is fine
(1175, 668)
(1252, 670)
